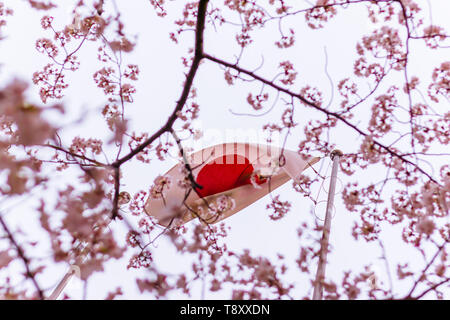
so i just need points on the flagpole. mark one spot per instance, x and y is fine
(63, 283)
(320, 275)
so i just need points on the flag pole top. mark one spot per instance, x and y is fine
(336, 152)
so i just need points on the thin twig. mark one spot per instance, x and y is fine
(28, 273)
(319, 108)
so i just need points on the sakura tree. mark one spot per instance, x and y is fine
(100, 97)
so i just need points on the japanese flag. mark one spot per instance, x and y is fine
(229, 178)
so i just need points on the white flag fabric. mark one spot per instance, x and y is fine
(230, 177)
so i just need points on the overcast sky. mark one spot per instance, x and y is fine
(158, 89)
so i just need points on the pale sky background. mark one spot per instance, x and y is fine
(158, 89)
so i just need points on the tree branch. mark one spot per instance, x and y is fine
(424, 271)
(28, 273)
(167, 127)
(317, 107)
(198, 55)
(433, 287)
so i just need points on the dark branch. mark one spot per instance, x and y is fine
(167, 127)
(28, 273)
(198, 55)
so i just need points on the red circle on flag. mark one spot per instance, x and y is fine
(225, 173)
